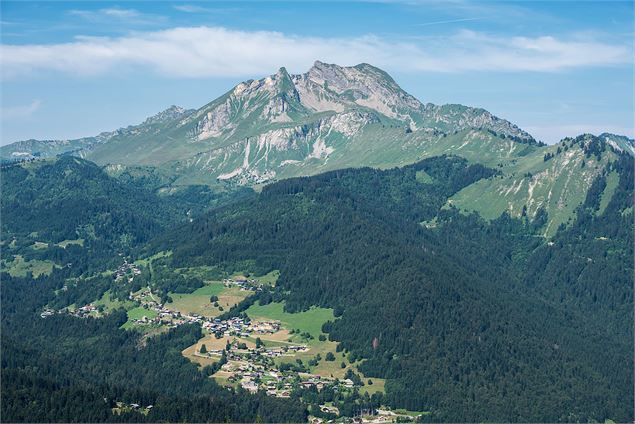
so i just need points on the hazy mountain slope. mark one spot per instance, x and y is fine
(70, 198)
(133, 134)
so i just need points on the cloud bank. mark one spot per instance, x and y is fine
(198, 52)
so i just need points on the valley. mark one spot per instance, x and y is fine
(318, 247)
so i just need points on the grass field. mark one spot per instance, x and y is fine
(110, 305)
(270, 278)
(612, 180)
(205, 272)
(409, 413)
(198, 301)
(137, 313)
(149, 259)
(65, 243)
(18, 267)
(308, 321)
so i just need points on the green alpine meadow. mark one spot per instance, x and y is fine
(317, 245)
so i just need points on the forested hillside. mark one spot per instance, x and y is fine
(53, 209)
(70, 214)
(66, 369)
(437, 302)
(463, 318)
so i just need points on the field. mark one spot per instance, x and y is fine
(270, 278)
(137, 313)
(308, 321)
(18, 267)
(110, 305)
(211, 343)
(65, 243)
(147, 261)
(205, 272)
(612, 180)
(198, 301)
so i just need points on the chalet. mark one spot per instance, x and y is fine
(250, 386)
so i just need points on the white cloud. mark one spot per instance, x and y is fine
(189, 8)
(195, 8)
(192, 52)
(120, 13)
(113, 12)
(117, 15)
(21, 111)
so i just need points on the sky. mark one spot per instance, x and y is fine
(74, 69)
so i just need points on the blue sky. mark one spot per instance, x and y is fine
(72, 69)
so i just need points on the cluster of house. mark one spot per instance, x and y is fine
(82, 312)
(244, 283)
(252, 354)
(254, 377)
(47, 312)
(237, 326)
(364, 416)
(126, 269)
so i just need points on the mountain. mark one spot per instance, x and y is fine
(338, 196)
(288, 125)
(619, 142)
(280, 125)
(335, 117)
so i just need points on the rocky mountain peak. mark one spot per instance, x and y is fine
(167, 115)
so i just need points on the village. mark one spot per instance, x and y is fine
(250, 367)
(255, 355)
(126, 270)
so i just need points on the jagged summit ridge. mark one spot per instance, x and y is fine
(170, 114)
(330, 88)
(291, 124)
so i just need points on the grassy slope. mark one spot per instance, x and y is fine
(18, 267)
(559, 184)
(198, 302)
(311, 321)
(308, 321)
(137, 313)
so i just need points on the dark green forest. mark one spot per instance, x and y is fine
(462, 329)
(472, 320)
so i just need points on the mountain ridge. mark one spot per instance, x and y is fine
(333, 117)
(324, 88)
